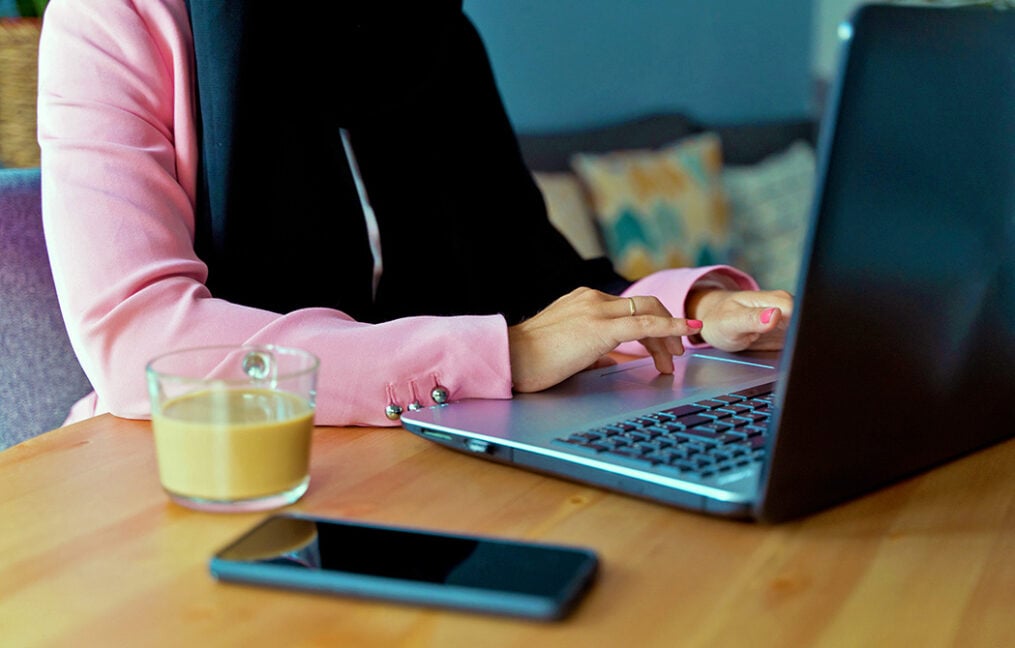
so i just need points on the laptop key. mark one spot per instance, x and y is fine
(663, 443)
(656, 418)
(716, 427)
(644, 421)
(670, 455)
(617, 441)
(710, 437)
(718, 413)
(623, 426)
(737, 409)
(640, 435)
(698, 444)
(704, 460)
(681, 467)
(694, 419)
(721, 454)
(710, 403)
(755, 392)
(684, 410)
(630, 457)
(729, 399)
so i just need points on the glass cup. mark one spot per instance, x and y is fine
(233, 425)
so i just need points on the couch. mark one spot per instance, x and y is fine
(41, 377)
(666, 190)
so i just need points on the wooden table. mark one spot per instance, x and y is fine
(93, 554)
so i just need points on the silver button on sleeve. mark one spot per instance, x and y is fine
(393, 412)
(439, 395)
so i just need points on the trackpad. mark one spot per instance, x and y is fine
(698, 370)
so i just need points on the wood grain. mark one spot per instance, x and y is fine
(92, 553)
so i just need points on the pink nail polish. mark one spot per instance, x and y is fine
(694, 323)
(766, 315)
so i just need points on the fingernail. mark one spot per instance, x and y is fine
(766, 315)
(694, 323)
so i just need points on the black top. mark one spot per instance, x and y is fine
(462, 224)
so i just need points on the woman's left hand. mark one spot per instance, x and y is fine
(738, 320)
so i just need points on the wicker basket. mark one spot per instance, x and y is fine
(19, 60)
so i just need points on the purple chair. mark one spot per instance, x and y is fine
(40, 377)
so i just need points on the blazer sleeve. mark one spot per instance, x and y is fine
(672, 286)
(119, 167)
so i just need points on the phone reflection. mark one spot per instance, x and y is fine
(280, 541)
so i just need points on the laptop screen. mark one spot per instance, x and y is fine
(907, 316)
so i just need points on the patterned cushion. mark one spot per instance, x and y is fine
(661, 208)
(569, 212)
(769, 206)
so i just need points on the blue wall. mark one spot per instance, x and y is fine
(575, 63)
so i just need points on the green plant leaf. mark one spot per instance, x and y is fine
(31, 8)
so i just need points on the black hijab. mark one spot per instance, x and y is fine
(463, 226)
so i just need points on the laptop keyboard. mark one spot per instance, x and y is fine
(705, 438)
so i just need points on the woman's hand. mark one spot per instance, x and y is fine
(742, 319)
(576, 331)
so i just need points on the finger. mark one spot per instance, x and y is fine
(773, 334)
(659, 335)
(674, 345)
(643, 327)
(749, 323)
(635, 305)
(768, 318)
(662, 358)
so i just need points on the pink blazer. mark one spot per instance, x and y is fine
(119, 167)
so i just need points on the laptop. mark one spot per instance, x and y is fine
(901, 350)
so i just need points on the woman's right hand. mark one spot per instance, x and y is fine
(578, 329)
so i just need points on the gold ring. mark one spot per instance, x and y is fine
(630, 304)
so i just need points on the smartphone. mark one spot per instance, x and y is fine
(407, 565)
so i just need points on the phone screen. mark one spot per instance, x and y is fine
(475, 573)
